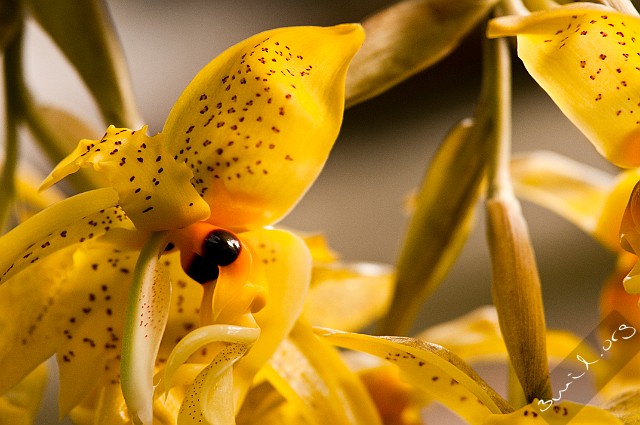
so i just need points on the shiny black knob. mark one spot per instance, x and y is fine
(221, 247)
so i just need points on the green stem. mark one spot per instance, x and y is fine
(12, 112)
(497, 66)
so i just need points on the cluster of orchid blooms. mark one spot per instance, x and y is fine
(167, 296)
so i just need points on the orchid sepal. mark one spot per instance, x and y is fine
(257, 123)
(583, 56)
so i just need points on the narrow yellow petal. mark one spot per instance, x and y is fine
(435, 371)
(146, 317)
(152, 187)
(256, 125)
(202, 337)
(210, 399)
(584, 57)
(76, 219)
(555, 414)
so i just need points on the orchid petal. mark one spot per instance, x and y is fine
(555, 414)
(202, 337)
(584, 58)
(569, 188)
(148, 307)
(153, 189)
(91, 331)
(407, 37)
(73, 220)
(185, 305)
(68, 304)
(348, 296)
(210, 399)
(586, 196)
(311, 374)
(257, 123)
(285, 264)
(435, 371)
(20, 404)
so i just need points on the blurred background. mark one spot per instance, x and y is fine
(359, 201)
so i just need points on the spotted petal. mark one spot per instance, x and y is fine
(77, 219)
(210, 398)
(68, 304)
(147, 310)
(257, 123)
(585, 57)
(153, 189)
(435, 371)
(560, 414)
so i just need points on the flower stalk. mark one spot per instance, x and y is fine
(516, 284)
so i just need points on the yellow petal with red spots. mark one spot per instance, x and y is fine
(153, 189)
(210, 399)
(562, 413)
(256, 125)
(68, 305)
(78, 219)
(586, 58)
(146, 317)
(436, 372)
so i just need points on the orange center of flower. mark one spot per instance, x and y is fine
(218, 260)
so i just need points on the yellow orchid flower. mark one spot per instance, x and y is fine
(417, 371)
(583, 55)
(191, 204)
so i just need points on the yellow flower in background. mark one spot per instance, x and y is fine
(585, 57)
(96, 278)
